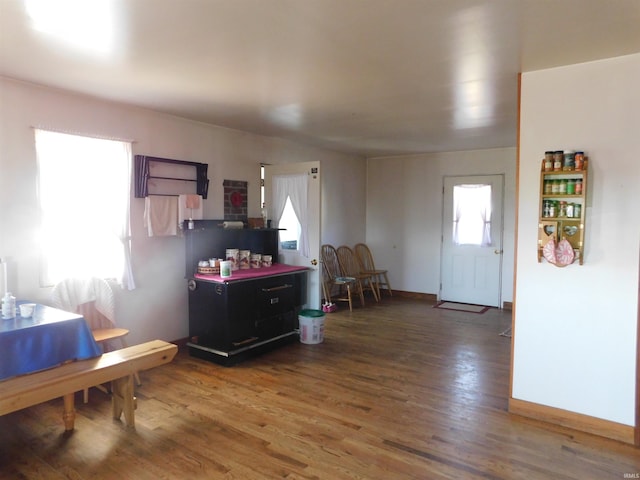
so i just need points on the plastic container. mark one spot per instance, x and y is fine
(311, 326)
(225, 269)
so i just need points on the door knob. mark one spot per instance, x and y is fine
(497, 252)
(314, 262)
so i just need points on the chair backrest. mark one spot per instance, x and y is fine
(330, 263)
(92, 298)
(364, 257)
(348, 261)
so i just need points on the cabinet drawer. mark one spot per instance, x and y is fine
(275, 295)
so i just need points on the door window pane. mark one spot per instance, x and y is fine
(472, 215)
(290, 236)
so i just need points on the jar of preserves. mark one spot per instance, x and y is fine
(548, 187)
(562, 188)
(570, 210)
(578, 186)
(548, 161)
(558, 157)
(577, 210)
(569, 161)
(579, 160)
(563, 209)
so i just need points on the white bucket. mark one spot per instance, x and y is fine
(311, 326)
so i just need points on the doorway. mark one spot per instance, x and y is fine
(471, 261)
(295, 256)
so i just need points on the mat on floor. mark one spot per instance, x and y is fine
(461, 307)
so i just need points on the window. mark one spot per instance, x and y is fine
(84, 191)
(472, 215)
(290, 235)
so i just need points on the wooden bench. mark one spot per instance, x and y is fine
(117, 367)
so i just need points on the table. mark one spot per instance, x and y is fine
(47, 339)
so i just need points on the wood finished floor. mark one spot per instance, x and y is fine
(398, 390)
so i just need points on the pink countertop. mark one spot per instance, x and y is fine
(236, 275)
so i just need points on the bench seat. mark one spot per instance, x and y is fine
(117, 367)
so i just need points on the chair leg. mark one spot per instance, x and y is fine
(386, 279)
(349, 297)
(360, 292)
(374, 290)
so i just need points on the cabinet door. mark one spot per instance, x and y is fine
(242, 314)
(207, 314)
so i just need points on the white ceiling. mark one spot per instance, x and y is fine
(372, 77)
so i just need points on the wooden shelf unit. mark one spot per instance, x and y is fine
(560, 226)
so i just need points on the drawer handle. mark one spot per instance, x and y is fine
(280, 287)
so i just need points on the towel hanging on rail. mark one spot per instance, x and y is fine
(161, 215)
(185, 212)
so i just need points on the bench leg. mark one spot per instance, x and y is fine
(122, 399)
(69, 413)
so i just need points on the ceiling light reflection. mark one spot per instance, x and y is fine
(84, 25)
(473, 100)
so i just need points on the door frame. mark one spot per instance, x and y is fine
(312, 168)
(501, 231)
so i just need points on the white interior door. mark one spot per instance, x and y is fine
(294, 257)
(471, 262)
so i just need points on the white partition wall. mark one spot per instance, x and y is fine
(575, 340)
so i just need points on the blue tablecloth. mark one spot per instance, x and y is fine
(47, 339)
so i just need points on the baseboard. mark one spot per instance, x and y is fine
(429, 297)
(576, 421)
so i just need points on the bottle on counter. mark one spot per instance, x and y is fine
(8, 306)
(264, 215)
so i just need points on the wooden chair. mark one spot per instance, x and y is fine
(351, 268)
(334, 279)
(367, 265)
(94, 300)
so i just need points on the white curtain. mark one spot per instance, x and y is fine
(84, 192)
(472, 215)
(295, 188)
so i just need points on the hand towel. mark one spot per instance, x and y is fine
(185, 212)
(161, 215)
(192, 201)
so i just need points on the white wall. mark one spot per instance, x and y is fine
(575, 327)
(404, 213)
(343, 194)
(158, 307)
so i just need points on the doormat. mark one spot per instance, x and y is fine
(462, 307)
